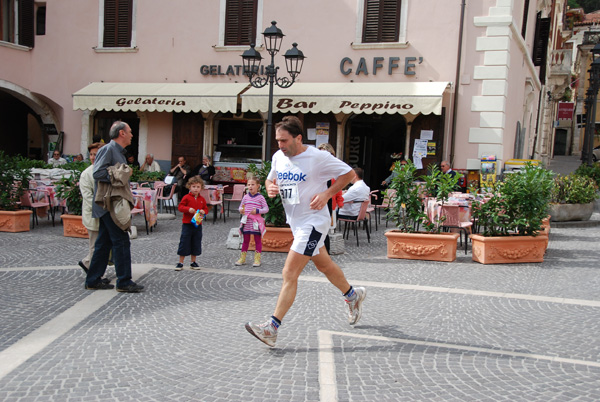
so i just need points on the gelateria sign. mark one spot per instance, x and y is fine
(149, 101)
(362, 66)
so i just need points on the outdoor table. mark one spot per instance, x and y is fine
(434, 209)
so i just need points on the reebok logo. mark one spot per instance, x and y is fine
(291, 176)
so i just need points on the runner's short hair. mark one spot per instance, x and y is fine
(291, 124)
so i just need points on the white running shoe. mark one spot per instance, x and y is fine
(266, 332)
(355, 306)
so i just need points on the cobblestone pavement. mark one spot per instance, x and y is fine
(430, 331)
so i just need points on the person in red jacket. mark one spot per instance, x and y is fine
(193, 207)
(335, 202)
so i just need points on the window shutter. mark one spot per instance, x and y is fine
(26, 23)
(240, 22)
(540, 42)
(381, 21)
(525, 16)
(118, 15)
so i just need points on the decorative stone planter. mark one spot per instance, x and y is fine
(421, 246)
(571, 212)
(508, 249)
(275, 239)
(73, 227)
(15, 221)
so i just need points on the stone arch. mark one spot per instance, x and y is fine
(41, 106)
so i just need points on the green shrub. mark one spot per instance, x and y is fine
(67, 188)
(407, 210)
(14, 180)
(574, 189)
(517, 205)
(592, 172)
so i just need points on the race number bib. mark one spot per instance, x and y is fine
(289, 193)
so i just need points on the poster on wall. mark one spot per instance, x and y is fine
(322, 133)
(430, 148)
(427, 134)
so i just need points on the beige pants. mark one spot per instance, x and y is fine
(93, 234)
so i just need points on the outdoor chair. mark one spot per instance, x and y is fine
(213, 203)
(238, 194)
(139, 199)
(362, 217)
(166, 200)
(452, 221)
(386, 204)
(41, 200)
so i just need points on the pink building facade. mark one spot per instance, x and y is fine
(459, 74)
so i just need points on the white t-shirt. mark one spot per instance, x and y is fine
(358, 192)
(300, 178)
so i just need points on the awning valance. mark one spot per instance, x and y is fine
(329, 97)
(152, 97)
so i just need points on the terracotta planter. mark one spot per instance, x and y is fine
(275, 239)
(73, 227)
(508, 249)
(546, 225)
(15, 221)
(421, 246)
(571, 212)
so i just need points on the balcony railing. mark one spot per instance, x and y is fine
(591, 38)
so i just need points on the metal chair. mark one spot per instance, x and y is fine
(159, 186)
(386, 203)
(238, 193)
(362, 217)
(452, 221)
(139, 199)
(211, 202)
(29, 201)
(371, 209)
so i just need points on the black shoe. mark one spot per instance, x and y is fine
(132, 288)
(105, 280)
(83, 267)
(99, 285)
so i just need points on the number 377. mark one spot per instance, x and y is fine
(285, 192)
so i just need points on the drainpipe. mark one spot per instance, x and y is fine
(457, 80)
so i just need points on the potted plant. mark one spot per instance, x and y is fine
(278, 236)
(512, 218)
(573, 198)
(14, 181)
(67, 188)
(408, 212)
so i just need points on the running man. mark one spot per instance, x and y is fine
(299, 173)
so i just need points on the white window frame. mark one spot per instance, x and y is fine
(100, 48)
(402, 42)
(220, 47)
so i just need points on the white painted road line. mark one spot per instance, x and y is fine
(327, 381)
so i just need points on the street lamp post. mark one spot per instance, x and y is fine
(294, 59)
(590, 105)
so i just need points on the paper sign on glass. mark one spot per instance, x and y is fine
(427, 134)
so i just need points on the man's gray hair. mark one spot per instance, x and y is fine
(208, 157)
(115, 128)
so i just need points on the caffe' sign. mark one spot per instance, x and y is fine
(149, 101)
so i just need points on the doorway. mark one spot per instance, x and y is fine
(374, 143)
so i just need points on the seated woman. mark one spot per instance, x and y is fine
(205, 170)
